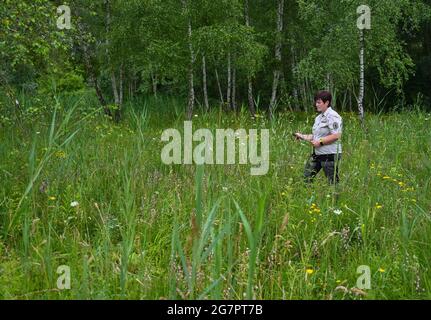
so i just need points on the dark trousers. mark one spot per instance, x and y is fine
(329, 163)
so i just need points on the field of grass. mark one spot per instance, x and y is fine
(79, 190)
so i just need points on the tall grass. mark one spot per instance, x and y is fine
(146, 230)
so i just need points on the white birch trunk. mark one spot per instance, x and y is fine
(361, 78)
(229, 82)
(277, 57)
(251, 106)
(114, 88)
(204, 80)
(219, 87)
(234, 88)
(191, 98)
(121, 84)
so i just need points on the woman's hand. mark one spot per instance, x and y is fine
(298, 136)
(315, 143)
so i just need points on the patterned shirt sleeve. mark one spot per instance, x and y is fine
(335, 124)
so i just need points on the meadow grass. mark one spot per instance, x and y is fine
(146, 230)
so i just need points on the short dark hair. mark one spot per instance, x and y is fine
(324, 96)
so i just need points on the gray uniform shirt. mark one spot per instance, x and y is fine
(327, 123)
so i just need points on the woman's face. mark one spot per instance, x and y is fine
(321, 106)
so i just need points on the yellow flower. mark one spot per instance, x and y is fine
(378, 206)
(381, 270)
(386, 177)
(309, 271)
(51, 198)
(60, 154)
(338, 281)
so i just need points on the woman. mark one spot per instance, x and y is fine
(325, 140)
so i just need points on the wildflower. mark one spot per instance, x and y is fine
(309, 271)
(338, 212)
(378, 206)
(381, 270)
(51, 198)
(74, 204)
(401, 184)
(386, 177)
(60, 154)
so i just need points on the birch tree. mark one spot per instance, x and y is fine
(277, 71)
(191, 96)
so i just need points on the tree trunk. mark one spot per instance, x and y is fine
(113, 77)
(251, 106)
(117, 98)
(114, 89)
(361, 78)
(154, 83)
(121, 84)
(328, 81)
(293, 70)
(277, 71)
(191, 98)
(219, 88)
(229, 82)
(204, 80)
(234, 89)
(90, 70)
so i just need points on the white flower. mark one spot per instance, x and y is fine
(74, 204)
(338, 212)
